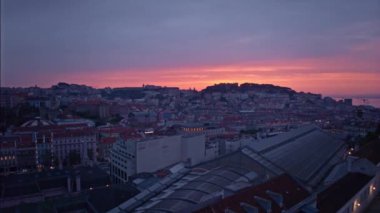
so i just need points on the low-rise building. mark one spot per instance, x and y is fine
(38, 187)
(352, 193)
(80, 142)
(38, 147)
(134, 154)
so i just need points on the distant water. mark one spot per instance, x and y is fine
(364, 101)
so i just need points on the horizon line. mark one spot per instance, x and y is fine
(376, 96)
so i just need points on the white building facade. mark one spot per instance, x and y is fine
(147, 155)
(81, 142)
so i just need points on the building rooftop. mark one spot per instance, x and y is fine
(229, 173)
(106, 198)
(108, 140)
(30, 183)
(307, 153)
(191, 189)
(37, 122)
(277, 194)
(75, 133)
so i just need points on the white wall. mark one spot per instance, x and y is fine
(212, 152)
(155, 154)
(193, 149)
(232, 146)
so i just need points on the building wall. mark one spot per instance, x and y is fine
(82, 145)
(202, 130)
(130, 156)
(214, 132)
(231, 146)
(363, 198)
(155, 154)
(211, 152)
(104, 151)
(193, 149)
(151, 154)
(123, 160)
(7, 160)
(26, 158)
(116, 166)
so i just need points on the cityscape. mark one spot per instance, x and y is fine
(247, 147)
(189, 106)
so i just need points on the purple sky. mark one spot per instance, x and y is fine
(325, 46)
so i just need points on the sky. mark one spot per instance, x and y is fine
(330, 47)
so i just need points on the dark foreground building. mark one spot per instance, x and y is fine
(85, 188)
